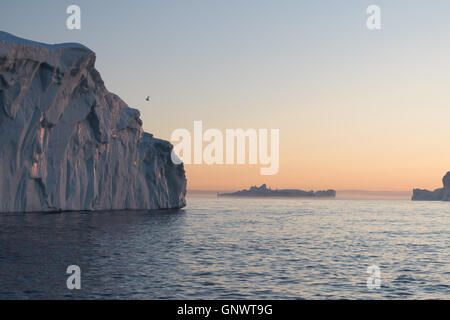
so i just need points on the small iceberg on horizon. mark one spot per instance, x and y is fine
(263, 191)
(441, 194)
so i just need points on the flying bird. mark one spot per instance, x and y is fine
(148, 98)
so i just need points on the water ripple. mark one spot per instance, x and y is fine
(232, 249)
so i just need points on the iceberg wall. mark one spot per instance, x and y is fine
(67, 143)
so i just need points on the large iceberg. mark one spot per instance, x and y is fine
(67, 143)
(441, 194)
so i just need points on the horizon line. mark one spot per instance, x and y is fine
(342, 190)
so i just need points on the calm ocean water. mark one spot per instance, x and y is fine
(232, 248)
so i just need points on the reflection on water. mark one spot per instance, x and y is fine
(232, 248)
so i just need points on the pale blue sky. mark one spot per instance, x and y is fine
(189, 54)
(310, 68)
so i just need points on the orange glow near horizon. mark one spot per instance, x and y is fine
(229, 178)
(357, 158)
(344, 138)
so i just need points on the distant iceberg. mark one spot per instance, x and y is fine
(263, 191)
(67, 143)
(441, 194)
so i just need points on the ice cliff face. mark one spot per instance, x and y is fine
(66, 143)
(441, 194)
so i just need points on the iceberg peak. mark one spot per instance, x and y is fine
(8, 37)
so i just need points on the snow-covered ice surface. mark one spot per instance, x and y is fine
(67, 143)
(8, 37)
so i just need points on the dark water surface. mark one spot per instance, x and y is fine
(232, 248)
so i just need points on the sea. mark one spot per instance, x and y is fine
(232, 248)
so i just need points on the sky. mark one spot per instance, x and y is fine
(357, 109)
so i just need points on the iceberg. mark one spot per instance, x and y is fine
(441, 194)
(263, 191)
(67, 143)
